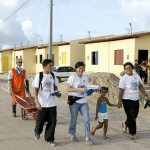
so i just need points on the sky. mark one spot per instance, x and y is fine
(26, 22)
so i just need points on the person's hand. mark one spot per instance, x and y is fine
(38, 106)
(119, 105)
(83, 90)
(146, 97)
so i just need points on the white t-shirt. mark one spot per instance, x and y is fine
(44, 95)
(10, 75)
(77, 82)
(130, 84)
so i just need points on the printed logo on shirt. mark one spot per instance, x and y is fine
(46, 86)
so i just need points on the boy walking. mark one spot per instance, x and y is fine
(45, 102)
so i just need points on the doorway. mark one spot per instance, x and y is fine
(142, 55)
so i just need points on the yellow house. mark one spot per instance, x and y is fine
(27, 54)
(109, 53)
(6, 60)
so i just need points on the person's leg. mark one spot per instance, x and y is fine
(74, 114)
(51, 124)
(129, 107)
(40, 122)
(105, 130)
(84, 111)
(93, 130)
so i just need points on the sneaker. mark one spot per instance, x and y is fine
(132, 137)
(73, 138)
(88, 141)
(52, 143)
(37, 136)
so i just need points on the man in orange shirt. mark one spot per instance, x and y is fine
(18, 82)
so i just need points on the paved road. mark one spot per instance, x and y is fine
(18, 134)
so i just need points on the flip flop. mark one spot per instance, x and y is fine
(132, 137)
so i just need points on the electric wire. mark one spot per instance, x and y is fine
(14, 12)
(106, 12)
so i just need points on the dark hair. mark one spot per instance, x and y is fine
(79, 64)
(46, 62)
(104, 88)
(128, 63)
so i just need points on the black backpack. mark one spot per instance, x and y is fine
(41, 77)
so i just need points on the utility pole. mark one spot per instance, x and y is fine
(130, 28)
(61, 38)
(89, 34)
(51, 30)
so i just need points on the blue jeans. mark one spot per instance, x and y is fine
(84, 111)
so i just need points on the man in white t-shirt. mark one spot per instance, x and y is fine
(45, 102)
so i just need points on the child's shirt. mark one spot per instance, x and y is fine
(102, 107)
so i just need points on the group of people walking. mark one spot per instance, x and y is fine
(129, 87)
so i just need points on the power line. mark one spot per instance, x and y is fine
(14, 12)
(106, 12)
(76, 17)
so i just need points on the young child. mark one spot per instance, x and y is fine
(101, 113)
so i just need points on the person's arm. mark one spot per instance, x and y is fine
(121, 91)
(97, 105)
(71, 89)
(10, 82)
(38, 106)
(110, 104)
(142, 90)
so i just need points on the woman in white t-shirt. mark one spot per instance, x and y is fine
(76, 88)
(129, 87)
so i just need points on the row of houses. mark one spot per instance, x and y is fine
(100, 54)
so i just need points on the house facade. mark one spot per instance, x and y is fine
(108, 54)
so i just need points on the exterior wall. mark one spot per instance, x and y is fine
(106, 51)
(142, 43)
(43, 52)
(29, 60)
(61, 50)
(56, 55)
(77, 52)
(18, 54)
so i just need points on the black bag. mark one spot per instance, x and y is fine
(72, 99)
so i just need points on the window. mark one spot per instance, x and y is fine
(41, 59)
(47, 56)
(95, 58)
(20, 57)
(16, 57)
(118, 58)
(61, 69)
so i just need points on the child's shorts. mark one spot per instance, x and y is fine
(102, 116)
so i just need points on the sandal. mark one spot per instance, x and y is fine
(92, 131)
(132, 137)
(124, 127)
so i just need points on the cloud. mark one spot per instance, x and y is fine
(13, 32)
(138, 11)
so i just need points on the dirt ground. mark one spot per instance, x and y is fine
(18, 134)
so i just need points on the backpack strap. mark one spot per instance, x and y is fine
(55, 87)
(40, 79)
